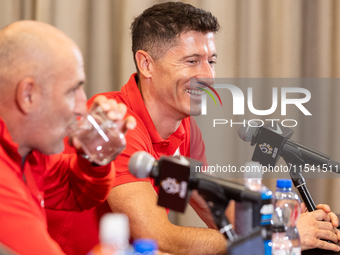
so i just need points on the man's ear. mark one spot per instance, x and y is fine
(144, 62)
(26, 94)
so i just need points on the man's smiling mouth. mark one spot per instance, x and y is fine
(195, 92)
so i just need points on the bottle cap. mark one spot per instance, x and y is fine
(114, 228)
(145, 245)
(284, 183)
(253, 170)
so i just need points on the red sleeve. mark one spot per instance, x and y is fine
(136, 140)
(22, 222)
(73, 183)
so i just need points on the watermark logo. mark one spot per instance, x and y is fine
(239, 100)
(209, 93)
(243, 104)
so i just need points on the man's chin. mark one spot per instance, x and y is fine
(195, 111)
(56, 149)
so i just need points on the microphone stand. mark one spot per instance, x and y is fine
(292, 157)
(300, 183)
(217, 202)
(222, 222)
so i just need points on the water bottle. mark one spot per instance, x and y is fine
(287, 212)
(145, 247)
(281, 245)
(114, 234)
(249, 215)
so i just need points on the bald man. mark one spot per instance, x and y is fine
(41, 95)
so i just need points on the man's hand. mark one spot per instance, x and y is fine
(162, 253)
(114, 111)
(317, 225)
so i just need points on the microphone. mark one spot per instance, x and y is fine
(171, 174)
(176, 185)
(143, 165)
(273, 141)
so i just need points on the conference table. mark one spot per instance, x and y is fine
(318, 252)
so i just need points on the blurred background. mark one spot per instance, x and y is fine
(258, 39)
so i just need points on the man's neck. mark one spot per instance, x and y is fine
(165, 122)
(16, 129)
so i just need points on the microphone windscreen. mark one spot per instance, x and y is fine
(140, 164)
(246, 132)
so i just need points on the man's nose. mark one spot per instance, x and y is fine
(207, 74)
(80, 102)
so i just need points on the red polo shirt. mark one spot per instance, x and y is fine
(59, 182)
(144, 137)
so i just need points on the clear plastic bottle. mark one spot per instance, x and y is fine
(281, 245)
(114, 234)
(287, 211)
(145, 247)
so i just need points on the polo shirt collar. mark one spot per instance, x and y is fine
(138, 106)
(8, 144)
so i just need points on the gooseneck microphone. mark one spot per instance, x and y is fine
(172, 174)
(143, 165)
(273, 140)
(292, 152)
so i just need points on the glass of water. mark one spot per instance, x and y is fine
(100, 138)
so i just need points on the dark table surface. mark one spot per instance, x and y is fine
(318, 252)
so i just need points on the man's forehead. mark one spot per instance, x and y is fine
(194, 41)
(196, 34)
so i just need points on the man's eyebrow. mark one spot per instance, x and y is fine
(80, 83)
(197, 55)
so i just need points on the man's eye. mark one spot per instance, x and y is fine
(73, 90)
(212, 62)
(192, 61)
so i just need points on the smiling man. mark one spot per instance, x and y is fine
(174, 48)
(174, 51)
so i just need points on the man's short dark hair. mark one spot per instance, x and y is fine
(157, 29)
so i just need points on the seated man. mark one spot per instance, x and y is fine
(41, 95)
(173, 44)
